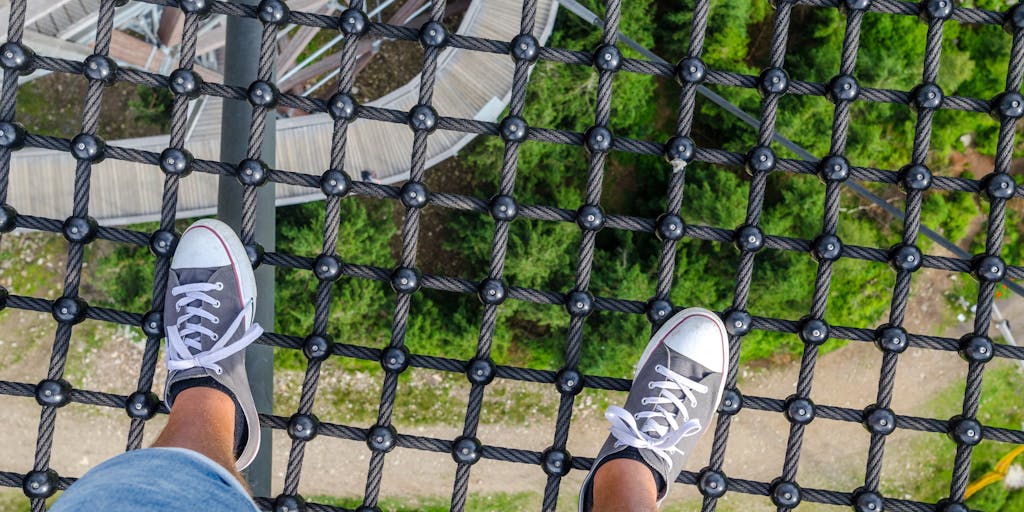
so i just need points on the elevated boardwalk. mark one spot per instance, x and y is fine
(54, 18)
(470, 84)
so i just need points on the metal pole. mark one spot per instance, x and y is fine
(1003, 325)
(241, 58)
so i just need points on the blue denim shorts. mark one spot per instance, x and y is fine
(156, 479)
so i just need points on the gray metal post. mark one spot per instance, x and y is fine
(1003, 325)
(241, 60)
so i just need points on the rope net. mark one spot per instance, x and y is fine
(87, 148)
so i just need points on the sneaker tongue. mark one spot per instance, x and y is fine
(690, 369)
(687, 368)
(194, 275)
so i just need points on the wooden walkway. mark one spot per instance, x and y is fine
(470, 84)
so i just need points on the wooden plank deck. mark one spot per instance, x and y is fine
(51, 17)
(126, 192)
(59, 18)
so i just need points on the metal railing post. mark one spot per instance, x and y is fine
(241, 60)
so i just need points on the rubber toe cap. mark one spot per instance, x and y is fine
(701, 337)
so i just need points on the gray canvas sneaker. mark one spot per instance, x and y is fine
(208, 316)
(676, 389)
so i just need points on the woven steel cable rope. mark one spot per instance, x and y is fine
(555, 461)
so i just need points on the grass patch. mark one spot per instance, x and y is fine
(33, 264)
(12, 500)
(1000, 407)
(499, 501)
(128, 110)
(424, 398)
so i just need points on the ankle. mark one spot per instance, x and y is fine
(205, 386)
(211, 436)
(624, 485)
(206, 396)
(633, 454)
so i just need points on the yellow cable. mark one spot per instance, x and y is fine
(1004, 464)
(981, 483)
(997, 473)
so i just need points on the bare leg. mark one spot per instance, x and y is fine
(624, 485)
(203, 420)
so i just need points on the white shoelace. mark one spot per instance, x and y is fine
(184, 337)
(660, 432)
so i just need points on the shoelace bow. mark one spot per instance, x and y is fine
(660, 431)
(184, 345)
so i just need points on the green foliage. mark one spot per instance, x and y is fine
(40, 114)
(716, 197)
(880, 134)
(1013, 252)
(123, 275)
(33, 264)
(128, 110)
(360, 308)
(727, 36)
(152, 106)
(126, 278)
(950, 213)
(997, 498)
(15, 501)
(544, 255)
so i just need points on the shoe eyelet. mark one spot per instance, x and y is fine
(219, 285)
(216, 303)
(643, 401)
(215, 320)
(219, 371)
(650, 385)
(214, 337)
